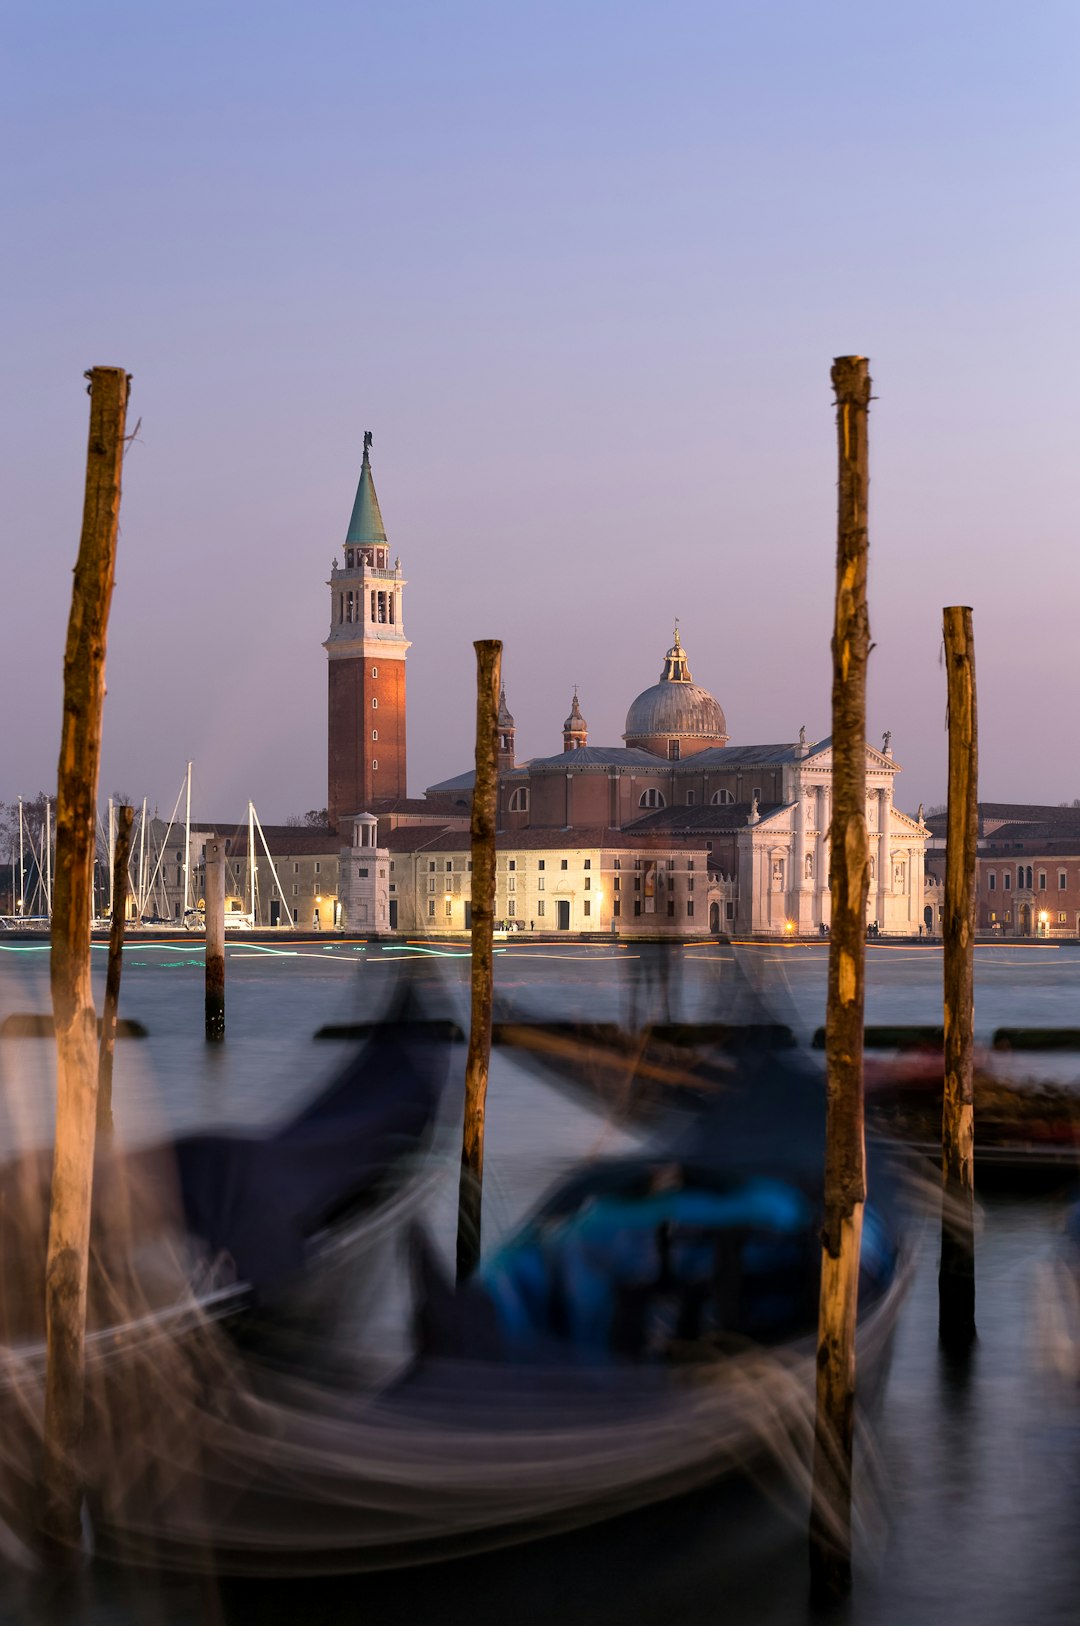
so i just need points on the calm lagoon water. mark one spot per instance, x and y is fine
(976, 1471)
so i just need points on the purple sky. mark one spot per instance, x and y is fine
(582, 270)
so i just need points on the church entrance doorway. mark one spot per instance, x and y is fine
(1025, 920)
(563, 906)
(468, 916)
(275, 911)
(393, 914)
(928, 919)
(714, 917)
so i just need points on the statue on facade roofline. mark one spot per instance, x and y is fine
(886, 741)
(802, 735)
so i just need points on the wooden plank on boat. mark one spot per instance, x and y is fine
(1036, 1039)
(891, 1036)
(38, 1025)
(440, 1028)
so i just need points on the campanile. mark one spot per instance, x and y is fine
(366, 649)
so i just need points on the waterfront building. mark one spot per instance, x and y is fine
(1027, 869)
(761, 813)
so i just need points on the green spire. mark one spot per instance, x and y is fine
(366, 523)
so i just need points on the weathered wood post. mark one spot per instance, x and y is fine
(845, 1172)
(484, 815)
(956, 1278)
(106, 1050)
(72, 993)
(214, 900)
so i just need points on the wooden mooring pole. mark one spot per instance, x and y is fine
(72, 994)
(845, 1169)
(484, 816)
(956, 1278)
(214, 900)
(107, 1048)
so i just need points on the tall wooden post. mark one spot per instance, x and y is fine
(484, 815)
(956, 1278)
(121, 852)
(214, 900)
(72, 994)
(845, 1171)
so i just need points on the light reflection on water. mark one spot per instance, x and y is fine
(979, 1470)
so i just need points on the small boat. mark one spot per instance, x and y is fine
(650, 1328)
(212, 1227)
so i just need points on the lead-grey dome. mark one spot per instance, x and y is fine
(676, 706)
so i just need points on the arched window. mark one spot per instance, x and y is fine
(519, 800)
(374, 762)
(374, 671)
(721, 798)
(651, 798)
(374, 733)
(374, 702)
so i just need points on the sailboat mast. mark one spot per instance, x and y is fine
(251, 860)
(112, 851)
(141, 905)
(48, 858)
(187, 845)
(22, 864)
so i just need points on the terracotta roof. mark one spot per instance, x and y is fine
(587, 838)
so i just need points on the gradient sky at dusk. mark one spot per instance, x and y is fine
(582, 269)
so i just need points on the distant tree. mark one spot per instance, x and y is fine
(316, 818)
(938, 807)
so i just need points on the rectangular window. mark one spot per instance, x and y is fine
(673, 750)
(450, 866)
(757, 793)
(616, 882)
(691, 798)
(616, 863)
(690, 908)
(1008, 914)
(431, 906)
(296, 869)
(391, 866)
(671, 906)
(361, 873)
(588, 907)
(541, 863)
(1062, 917)
(564, 863)
(1063, 880)
(637, 906)
(431, 883)
(730, 909)
(689, 864)
(637, 883)
(991, 881)
(317, 866)
(671, 863)
(540, 882)
(690, 884)
(588, 882)
(296, 891)
(431, 865)
(588, 863)
(1042, 880)
(511, 883)
(616, 908)
(449, 908)
(539, 906)
(1006, 882)
(511, 863)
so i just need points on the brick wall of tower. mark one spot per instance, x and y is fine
(354, 783)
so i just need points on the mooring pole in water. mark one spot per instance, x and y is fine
(214, 899)
(845, 1171)
(956, 1278)
(484, 817)
(119, 890)
(72, 993)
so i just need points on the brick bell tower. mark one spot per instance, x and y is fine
(366, 649)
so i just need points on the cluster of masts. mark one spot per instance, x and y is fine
(149, 906)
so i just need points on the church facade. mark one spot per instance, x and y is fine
(675, 831)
